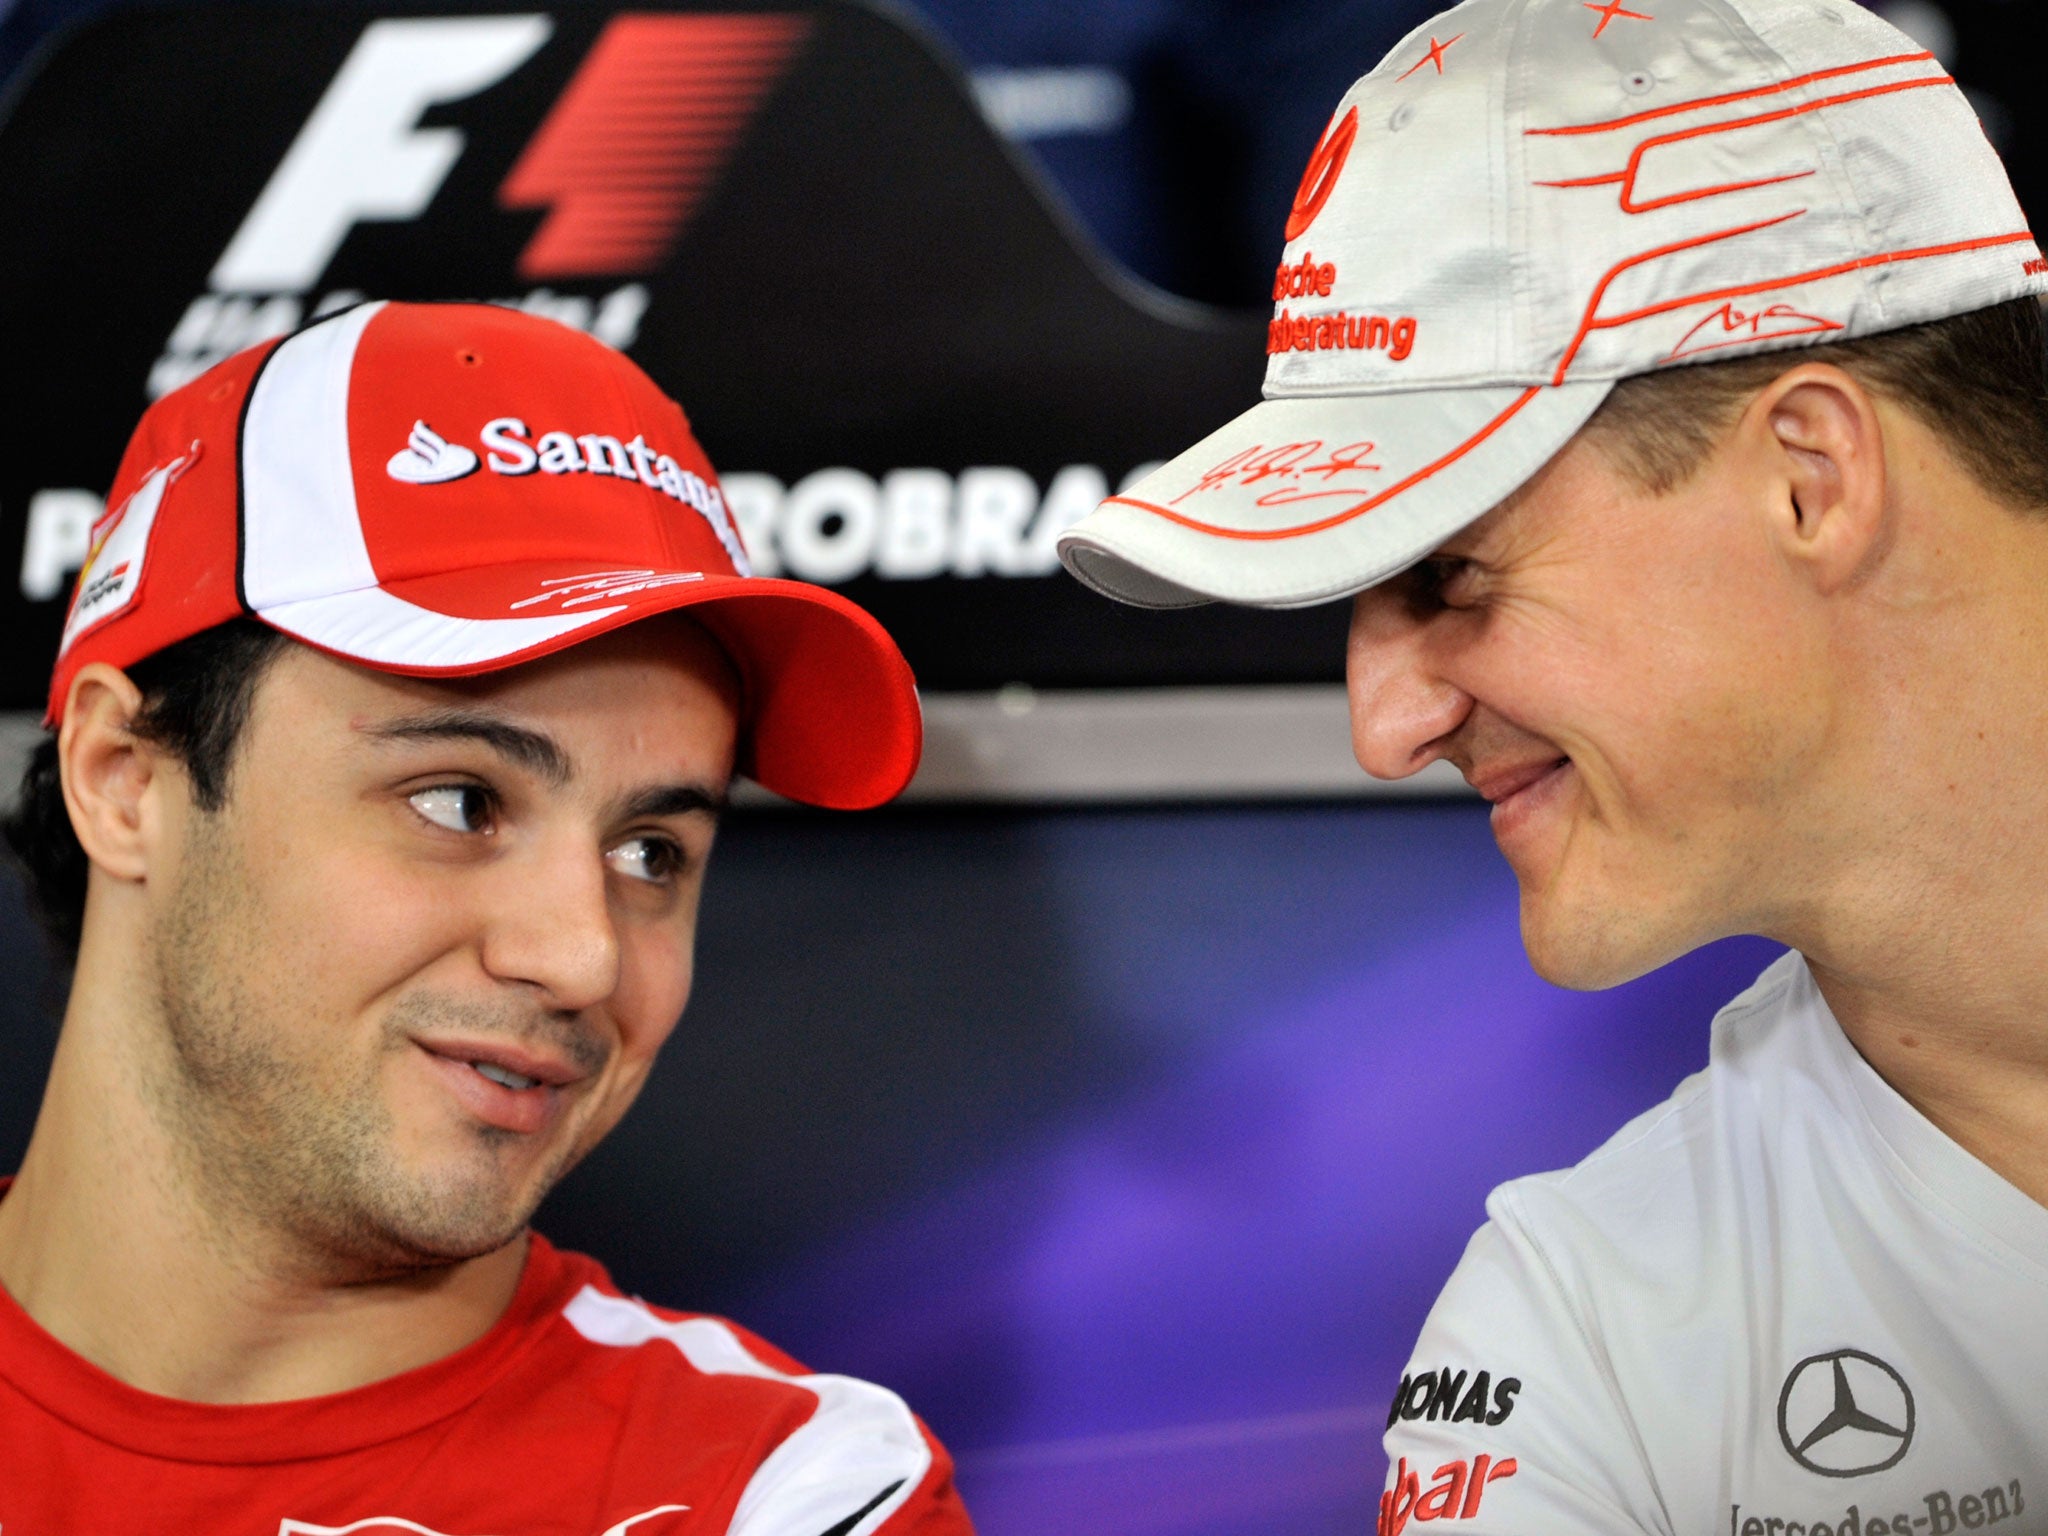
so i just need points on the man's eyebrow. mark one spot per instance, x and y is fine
(675, 800)
(1460, 545)
(530, 749)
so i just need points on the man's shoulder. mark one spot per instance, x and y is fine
(1591, 1285)
(601, 1325)
(1655, 1190)
(667, 1363)
(800, 1449)
(1639, 1209)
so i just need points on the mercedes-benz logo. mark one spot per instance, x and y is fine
(1845, 1414)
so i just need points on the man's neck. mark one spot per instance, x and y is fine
(107, 1245)
(1986, 1089)
(1929, 939)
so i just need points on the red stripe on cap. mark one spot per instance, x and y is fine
(1594, 321)
(1717, 101)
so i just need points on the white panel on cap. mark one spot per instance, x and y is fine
(305, 565)
(301, 536)
(373, 626)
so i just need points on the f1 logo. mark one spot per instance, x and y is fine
(621, 161)
(362, 154)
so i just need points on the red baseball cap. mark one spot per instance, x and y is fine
(443, 490)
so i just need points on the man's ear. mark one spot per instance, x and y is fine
(1822, 444)
(109, 772)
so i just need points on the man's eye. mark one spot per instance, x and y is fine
(655, 860)
(1449, 583)
(458, 807)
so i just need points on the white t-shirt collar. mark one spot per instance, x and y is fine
(1934, 1168)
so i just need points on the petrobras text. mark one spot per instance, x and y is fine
(830, 526)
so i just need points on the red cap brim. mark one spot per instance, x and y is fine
(832, 710)
(830, 713)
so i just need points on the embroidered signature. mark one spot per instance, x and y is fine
(599, 585)
(1778, 320)
(1305, 471)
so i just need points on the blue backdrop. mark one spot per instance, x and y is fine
(1132, 1147)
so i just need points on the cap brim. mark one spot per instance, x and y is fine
(831, 714)
(1305, 500)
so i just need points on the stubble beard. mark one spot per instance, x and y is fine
(284, 1150)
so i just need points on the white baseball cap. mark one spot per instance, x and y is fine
(1526, 201)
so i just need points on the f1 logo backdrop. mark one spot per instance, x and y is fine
(911, 370)
(639, 136)
(620, 162)
(361, 154)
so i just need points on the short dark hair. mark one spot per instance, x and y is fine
(195, 702)
(1979, 379)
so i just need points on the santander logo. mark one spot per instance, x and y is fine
(513, 449)
(428, 458)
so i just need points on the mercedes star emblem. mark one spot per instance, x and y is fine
(1845, 1414)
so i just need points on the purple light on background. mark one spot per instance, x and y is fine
(1184, 1311)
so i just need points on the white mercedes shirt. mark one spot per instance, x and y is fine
(1781, 1304)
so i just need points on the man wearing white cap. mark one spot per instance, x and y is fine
(1664, 382)
(393, 716)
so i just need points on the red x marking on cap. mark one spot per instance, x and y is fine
(1612, 9)
(1434, 56)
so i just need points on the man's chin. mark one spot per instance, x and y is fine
(435, 1223)
(1590, 946)
(450, 1244)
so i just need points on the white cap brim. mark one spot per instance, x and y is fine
(1308, 499)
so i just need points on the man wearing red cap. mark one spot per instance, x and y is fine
(394, 713)
(1669, 402)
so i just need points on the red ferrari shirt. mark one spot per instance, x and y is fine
(583, 1412)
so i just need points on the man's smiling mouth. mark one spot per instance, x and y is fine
(1500, 785)
(509, 1087)
(1522, 795)
(505, 1075)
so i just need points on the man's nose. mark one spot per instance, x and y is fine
(1402, 711)
(554, 929)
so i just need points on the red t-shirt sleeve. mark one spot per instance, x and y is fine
(858, 1464)
(935, 1509)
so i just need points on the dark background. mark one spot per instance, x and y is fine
(1188, 186)
(882, 277)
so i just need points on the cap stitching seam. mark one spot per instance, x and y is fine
(1839, 173)
(1514, 177)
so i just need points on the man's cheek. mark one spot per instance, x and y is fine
(361, 963)
(352, 914)
(656, 972)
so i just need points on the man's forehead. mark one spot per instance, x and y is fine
(676, 657)
(1529, 506)
(550, 725)
(1490, 525)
